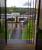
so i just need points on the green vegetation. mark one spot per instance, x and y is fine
(15, 9)
(2, 29)
(2, 10)
(20, 10)
(39, 34)
(27, 34)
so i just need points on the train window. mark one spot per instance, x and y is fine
(21, 19)
(11, 19)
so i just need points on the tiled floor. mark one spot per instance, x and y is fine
(17, 41)
(19, 47)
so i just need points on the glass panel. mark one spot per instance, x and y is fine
(21, 16)
(2, 23)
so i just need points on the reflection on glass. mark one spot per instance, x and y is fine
(20, 22)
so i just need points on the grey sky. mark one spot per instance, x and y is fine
(19, 3)
(2, 3)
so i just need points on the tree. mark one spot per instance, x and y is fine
(14, 9)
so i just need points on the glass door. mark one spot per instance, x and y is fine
(21, 20)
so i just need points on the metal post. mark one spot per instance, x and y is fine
(35, 24)
(38, 15)
(38, 23)
(0, 14)
(5, 25)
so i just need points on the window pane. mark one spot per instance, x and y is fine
(21, 17)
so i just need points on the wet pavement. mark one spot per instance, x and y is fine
(16, 34)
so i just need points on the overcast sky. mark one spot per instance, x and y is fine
(20, 3)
